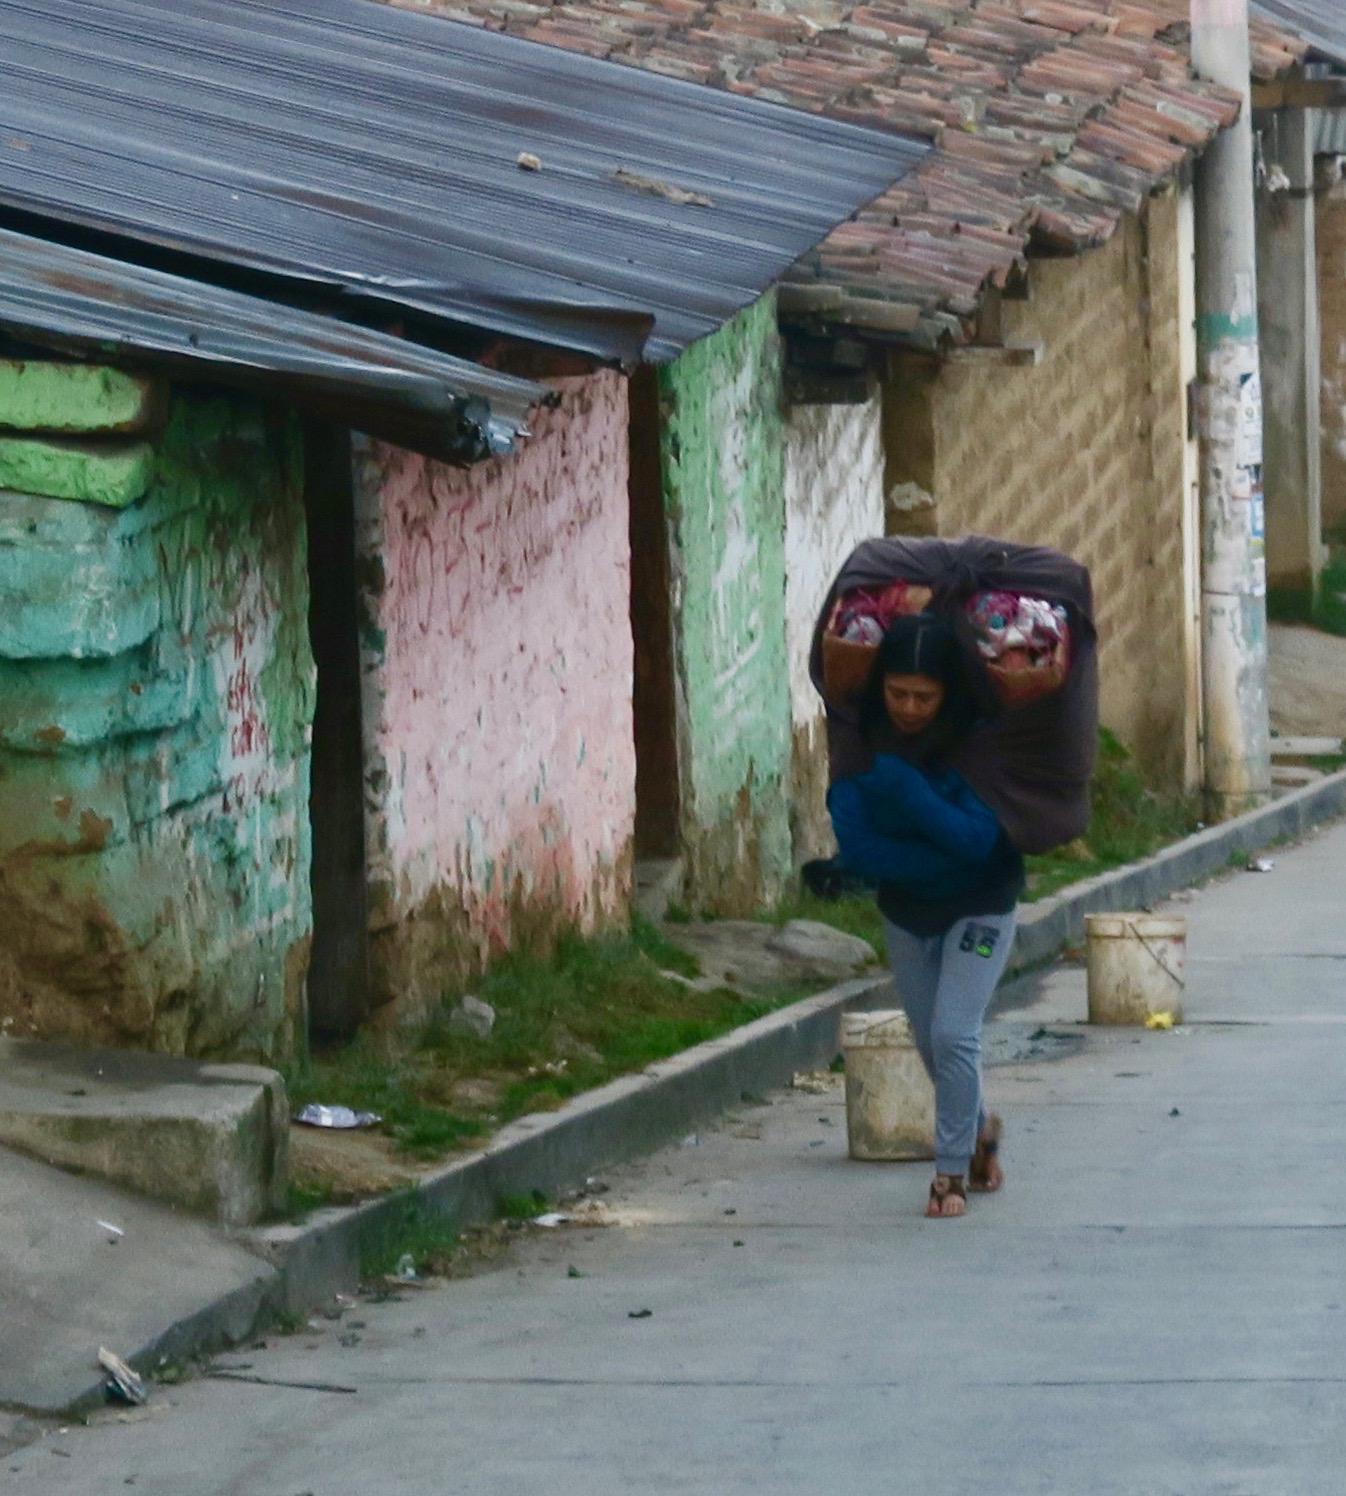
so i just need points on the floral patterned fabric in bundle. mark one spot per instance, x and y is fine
(1031, 759)
(858, 622)
(864, 616)
(1024, 642)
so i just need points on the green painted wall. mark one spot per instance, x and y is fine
(156, 701)
(44, 395)
(723, 456)
(96, 472)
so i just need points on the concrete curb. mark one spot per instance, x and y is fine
(1058, 921)
(556, 1151)
(634, 1115)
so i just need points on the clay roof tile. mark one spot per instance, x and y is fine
(1052, 117)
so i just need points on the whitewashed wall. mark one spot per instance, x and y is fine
(833, 500)
(499, 755)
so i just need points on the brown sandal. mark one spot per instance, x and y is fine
(984, 1174)
(943, 1188)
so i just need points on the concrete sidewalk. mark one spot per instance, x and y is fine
(84, 1264)
(165, 1301)
(1155, 1304)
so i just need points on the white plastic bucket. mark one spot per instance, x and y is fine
(1136, 966)
(890, 1102)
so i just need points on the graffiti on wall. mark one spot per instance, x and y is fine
(179, 747)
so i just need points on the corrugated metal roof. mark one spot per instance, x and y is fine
(1321, 23)
(74, 301)
(1052, 119)
(375, 151)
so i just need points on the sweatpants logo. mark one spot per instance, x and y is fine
(981, 939)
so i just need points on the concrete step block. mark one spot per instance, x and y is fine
(69, 399)
(1297, 749)
(210, 1138)
(740, 952)
(108, 472)
(1295, 776)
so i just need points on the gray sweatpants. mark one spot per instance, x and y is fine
(945, 984)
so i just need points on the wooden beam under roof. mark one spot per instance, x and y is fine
(1300, 93)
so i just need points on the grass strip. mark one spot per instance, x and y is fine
(594, 1009)
(1324, 609)
(406, 1228)
(1129, 821)
(602, 1006)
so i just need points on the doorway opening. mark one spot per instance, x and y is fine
(338, 973)
(658, 795)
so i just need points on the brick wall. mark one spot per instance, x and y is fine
(1332, 315)
(833, 500)
(1083, 452)
(500, 766)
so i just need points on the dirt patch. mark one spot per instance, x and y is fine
(472, 1095)
(67, 969)
(348, 1166)
(1307, 681)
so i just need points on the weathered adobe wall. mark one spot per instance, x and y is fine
(497, 659)
(723, 474)
(1331, 208)
(1083, 452)
(156, 698)
(834, 471)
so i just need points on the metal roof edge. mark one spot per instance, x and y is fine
(1321, 24)
(75, 301)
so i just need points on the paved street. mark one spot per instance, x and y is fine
(1155, 1304)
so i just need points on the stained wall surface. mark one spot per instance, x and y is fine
(1083, 452)
(723, 455)
(1331, 207)
(833, 500)
(157, 690)
(497, 660)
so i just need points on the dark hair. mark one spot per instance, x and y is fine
(921, 644)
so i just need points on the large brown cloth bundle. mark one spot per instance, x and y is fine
(1031, 764)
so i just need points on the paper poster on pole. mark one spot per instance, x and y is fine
(1248, 447)
(1248, 475)
(1257, 515)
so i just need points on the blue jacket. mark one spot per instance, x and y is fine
(926, 832)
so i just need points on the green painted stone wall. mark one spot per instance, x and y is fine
(723, 456)
(50, 396)
(156, 702)
(115, 473)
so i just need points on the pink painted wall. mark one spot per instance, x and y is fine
(500, 763)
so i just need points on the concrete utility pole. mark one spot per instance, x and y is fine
(1229, 428)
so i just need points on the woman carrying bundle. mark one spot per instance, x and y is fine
(948, 881)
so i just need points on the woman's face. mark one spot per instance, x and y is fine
(912, 701)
